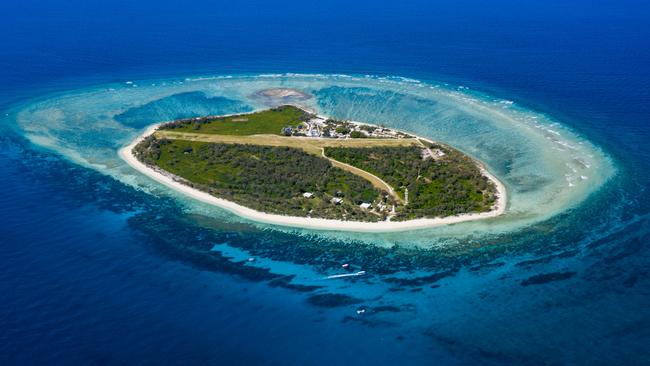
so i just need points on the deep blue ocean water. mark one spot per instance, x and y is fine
(89, 273)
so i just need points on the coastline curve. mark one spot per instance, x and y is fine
(173, 182)
(545, 166)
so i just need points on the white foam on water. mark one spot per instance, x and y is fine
(543, 164)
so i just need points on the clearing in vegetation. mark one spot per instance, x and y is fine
(250, 159)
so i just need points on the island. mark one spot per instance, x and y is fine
(289, 166)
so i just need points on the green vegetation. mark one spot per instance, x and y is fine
(258, 161)
(265, 178)
(437, 185)
(271, 121)
(368, 128)
(342, 130)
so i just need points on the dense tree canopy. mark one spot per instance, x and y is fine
(437, 185)
(432, 180)
(265, 178)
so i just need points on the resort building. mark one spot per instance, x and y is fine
(337, 200)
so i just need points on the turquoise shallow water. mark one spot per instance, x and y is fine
(101, 266)
(546, 167)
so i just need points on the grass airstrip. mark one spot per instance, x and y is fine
(249, 159)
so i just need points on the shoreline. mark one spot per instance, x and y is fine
(126, 154)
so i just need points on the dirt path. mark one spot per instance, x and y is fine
(312, 145)
(375, 180)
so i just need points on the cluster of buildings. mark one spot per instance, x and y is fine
(334, 200)
(432, 154)
(312, 128)
(345, 129)
(364, 205)
(320, 127)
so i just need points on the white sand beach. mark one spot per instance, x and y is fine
(304, 222)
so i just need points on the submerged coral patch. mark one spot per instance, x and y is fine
(547, 167)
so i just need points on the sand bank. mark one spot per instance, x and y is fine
(171, 181)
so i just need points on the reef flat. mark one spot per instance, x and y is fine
(287, 161)
(546, 167)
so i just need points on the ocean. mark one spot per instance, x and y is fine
(102, 266)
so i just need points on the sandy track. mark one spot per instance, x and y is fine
(168, 180)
